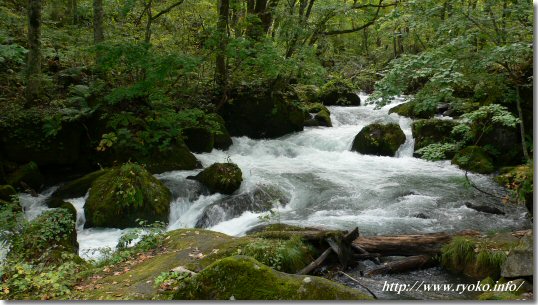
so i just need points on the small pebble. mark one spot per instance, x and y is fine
(307, 279)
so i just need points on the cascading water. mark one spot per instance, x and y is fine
(324, 184)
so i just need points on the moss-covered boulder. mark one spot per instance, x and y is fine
(76, 188)
(411, 110)
(222, 178)
(474, 159)
(307, 93)
(426, 132)
(379, 139)
(6, 191)
(199, 139)
(521, 180)
(244, 278)
(176, 157)
(222, 138)
(507, 141)
(26, 175)
(317, 115)
(340, 93)
(47, 237)
(261, 113)
(124, 194)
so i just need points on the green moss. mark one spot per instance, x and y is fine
(289, 255)
(6, 191)
(432, 131)
(498, 296)
(410, 110)
(379, 139)
(307, 93)
(322, 115)
(222, 138)
(124, 194)
(339, 92)
(76, 188)
(27, 174)
(223, 178)
(176, 157)
(244, 278)
(476, 257)
(474, 159)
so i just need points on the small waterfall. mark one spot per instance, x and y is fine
(324, 185)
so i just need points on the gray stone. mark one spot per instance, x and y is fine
(519, 263)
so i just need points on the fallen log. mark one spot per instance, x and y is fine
(340, 248)
(407, 245)
(407, 264)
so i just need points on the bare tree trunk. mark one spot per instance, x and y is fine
(33, 64)
(98, 34)
(521, 125)
(221, 70)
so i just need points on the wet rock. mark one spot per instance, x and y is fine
(262, 199)
(519, 263)
(124, 194)
(177, 157)
(318, 115)
(408, 110)
(244, 278)
(421, 216)
(6, 191)
(222, 178)
(379, 139)
(431, 131)
(261, 113)
(26, 176)
(339, 92)
(484, 208)
(76, 188)
(185, 188)
(222, 138)
(199, 140)
(474, 159)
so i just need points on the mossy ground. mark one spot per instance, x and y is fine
(135, 279)
(244, 278)
(478, 257)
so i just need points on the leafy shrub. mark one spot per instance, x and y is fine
(437, 151)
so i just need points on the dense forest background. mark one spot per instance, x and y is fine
(89, 84)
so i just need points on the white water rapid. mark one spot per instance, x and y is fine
(327, 185)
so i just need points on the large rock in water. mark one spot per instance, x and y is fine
(426, 132)
(379, 139)
(123, 195)
(318, 115)
(409, 110)
(74, 189)
(176, 157)
(474, 159)
(244, 278)
(262, 199)
(222, 178)
(261, 114)
(340, 93)
(26, 175)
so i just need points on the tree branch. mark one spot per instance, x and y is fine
(166, 10)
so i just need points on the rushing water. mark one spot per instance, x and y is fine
(329, 186)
